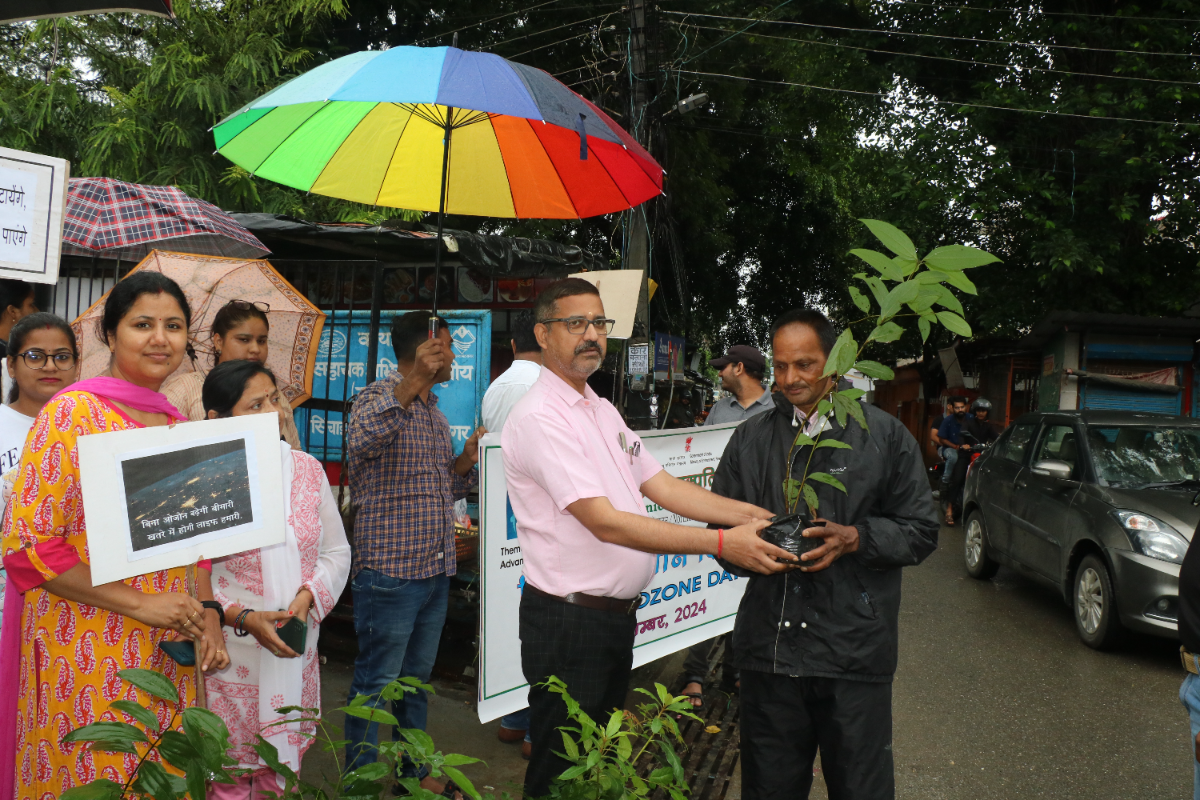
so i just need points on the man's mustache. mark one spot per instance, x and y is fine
(584, 347)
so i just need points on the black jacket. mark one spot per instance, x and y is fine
(840, 622)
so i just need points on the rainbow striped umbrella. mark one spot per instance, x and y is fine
(380, 126)
(370, 127)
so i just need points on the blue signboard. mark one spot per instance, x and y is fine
(667, 347)
(341, 368)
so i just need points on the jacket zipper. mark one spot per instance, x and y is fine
(779, 625)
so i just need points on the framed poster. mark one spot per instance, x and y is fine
(33, 197)
(157, 498)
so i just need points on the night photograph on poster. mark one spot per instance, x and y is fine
(176, 496)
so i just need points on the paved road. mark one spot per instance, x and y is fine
(996, 697)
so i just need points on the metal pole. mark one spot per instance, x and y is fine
(373, 342)
(437, 253)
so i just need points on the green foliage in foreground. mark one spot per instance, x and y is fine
(605, 756)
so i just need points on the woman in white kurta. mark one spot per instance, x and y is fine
(261, 589)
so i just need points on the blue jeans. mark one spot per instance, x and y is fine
(517, 721)
(398, 623)
(951, 456)
(1189, 695)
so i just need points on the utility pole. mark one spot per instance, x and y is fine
(641, 74)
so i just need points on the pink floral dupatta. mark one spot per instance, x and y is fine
(113, 389)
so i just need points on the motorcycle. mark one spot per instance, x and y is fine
(958, 481)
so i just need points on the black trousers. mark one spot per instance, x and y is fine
(589, 650)
(785, 720)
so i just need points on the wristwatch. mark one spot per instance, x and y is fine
(215, 606)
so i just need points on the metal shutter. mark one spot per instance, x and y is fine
(1103, 397)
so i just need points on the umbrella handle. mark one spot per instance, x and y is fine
(433, 327)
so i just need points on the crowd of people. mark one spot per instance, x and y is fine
(63, 639)
(813, 650)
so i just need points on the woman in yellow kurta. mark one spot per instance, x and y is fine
(75, 637)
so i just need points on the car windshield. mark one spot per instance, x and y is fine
(1143, 456)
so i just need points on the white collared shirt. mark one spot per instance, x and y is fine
(506, 390)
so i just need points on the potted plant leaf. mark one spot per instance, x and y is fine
(901, 286)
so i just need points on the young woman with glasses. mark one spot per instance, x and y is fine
(42, 362)
(239, 333)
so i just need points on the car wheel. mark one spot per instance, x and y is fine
(979, 564)
(1095, 605)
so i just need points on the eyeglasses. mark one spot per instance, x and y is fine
(577, 325)
(246, 305)
(36, 359)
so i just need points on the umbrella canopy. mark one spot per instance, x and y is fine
(209, 283)
(371, 127)
(115, 219)
(21, 10)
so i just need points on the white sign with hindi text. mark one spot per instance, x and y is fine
(33, 197)
(690, 599)
(157, 498)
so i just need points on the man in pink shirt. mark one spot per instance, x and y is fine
(576, 477)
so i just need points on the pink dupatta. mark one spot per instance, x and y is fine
(113, 389)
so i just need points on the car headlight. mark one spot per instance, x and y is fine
(1153, 537)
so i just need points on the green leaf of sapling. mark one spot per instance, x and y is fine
(873, 369)
(834, 443)
(825, 477)
(957, 257)
(860, 300)
(960, 281)
(843, 353)
(954, 323)
(892, 237)
(887, 332)
(882, 264)
(810, 499)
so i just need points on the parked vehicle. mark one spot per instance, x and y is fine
(1100, 504)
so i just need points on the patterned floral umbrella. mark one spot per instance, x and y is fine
(209, 283)
(115, 219)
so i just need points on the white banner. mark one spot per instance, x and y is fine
(690, 599)
(33, 196)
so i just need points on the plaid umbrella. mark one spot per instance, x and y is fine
(20, 10)
(114, 219)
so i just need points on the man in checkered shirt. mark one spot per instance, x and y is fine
(404, 479)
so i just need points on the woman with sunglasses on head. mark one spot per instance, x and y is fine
(73, 637)
(239, 333)
(262, 589)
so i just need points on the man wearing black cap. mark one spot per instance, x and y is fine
(741, 373)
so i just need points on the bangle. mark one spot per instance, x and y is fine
(215, 606)
(239, 623)
(720, 540)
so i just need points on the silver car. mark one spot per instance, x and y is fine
(1100, 504)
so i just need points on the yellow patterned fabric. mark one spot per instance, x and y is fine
(71, 653)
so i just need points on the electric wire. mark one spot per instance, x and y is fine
(954, 103)
(1039, 45)
(560, 41)
(1013, 67)
(486, 21)
(1120, 17)
(548, 30)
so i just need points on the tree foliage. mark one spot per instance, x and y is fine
(1057, 136)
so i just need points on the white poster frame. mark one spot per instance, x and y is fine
(110, 542)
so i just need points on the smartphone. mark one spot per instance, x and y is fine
(182, 652)
(293, 633)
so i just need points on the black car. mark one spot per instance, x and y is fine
(1100, 504)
